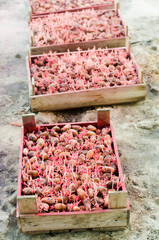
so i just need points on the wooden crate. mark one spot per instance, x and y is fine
(110, 43)
(85, 98)
(103, 6)
(116, 217)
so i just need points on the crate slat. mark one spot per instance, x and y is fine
(91, 97)
(110, 219)
(109, 43)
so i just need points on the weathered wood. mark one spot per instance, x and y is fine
(128, 214)
(29, 122)
(116, 8)
(19, 223)
(126, 30)
(30, 13)
(117, 199)
(140, 72)
(85, 98)
(114, 218)
(33, 86)
(33, 57)
(103, 117)
(128, 46)
(38, 232)
(27, 204)
(79, 230)
(109, 43)
(138, 69)
(108, 229)
(31, 39)
(29, 58)
(29, 76)
(59, 231)
(117, 157)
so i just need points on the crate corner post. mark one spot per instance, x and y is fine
(117, 200)
(29, 122)
(128, 45)
(126, 30)
(103, 117)
(31, 39)
(27, 204)
(117, 7)
(141, 74)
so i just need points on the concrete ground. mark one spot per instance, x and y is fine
(136, 125)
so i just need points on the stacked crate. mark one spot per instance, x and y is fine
(76, 30)
(79, 56)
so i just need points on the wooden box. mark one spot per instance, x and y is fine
(103, 43)
(103, 6)
(116, 217)
(85, 98)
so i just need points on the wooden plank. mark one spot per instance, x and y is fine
(33, 57)
(128, 46)
(103, 117)
(29, 76)
(29, 122)
(117, 199)
(128, 215)
(108, 229)
(30, 13)
(20, 163)
(19, 224)
(27, 204)
(138, 69)
(38, 232)
(116, 7)
(126, 30)
(85, 98)
(109, 43)
(117, 157)
(78, 230)
(31, 39)
(29, 58)
(59, 231)
(141, 77)
(113, 218)
(33, 86)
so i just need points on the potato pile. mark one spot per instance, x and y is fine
(55, 73)
(73, 27)
(69, 168)
(46, 6)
